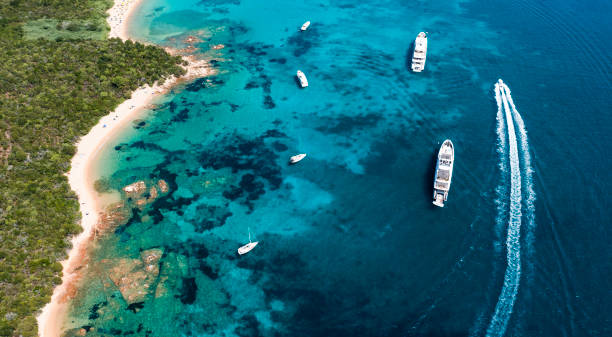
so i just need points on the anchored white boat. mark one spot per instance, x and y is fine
(420, 53)
(305, 26)
(248, 247)
(302, 78)
(444, 173)
(297, 158)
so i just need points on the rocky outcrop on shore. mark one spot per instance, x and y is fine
(115, 215)
(138, 194)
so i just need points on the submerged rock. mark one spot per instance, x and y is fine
(191, 40)
(163, 186)
(151, 259)
(136, 278)
(161, 289)
(128, 275)
(135, 189)
(141, 203)
(175, 267)
(153, 194)
(141, 195)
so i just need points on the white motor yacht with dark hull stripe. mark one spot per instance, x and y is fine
(302, 78)
(444, 172)
(420, 53)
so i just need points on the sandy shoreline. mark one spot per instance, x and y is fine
(119, 15)
(52, 317)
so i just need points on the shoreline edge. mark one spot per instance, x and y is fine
(53, 314)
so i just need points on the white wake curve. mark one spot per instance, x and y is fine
(501, 197)
(501, 129)
(505, 303)
(528, 171)
(503, 167)
(530, 196)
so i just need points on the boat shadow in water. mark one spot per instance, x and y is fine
(297, 82)
(409, 53)
(429, 176)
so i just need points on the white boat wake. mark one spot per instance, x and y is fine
(529, 200)
(500, 200)
(503, 168)
(512, 276)
(528, 172)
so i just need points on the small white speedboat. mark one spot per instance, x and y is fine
(305, 26)
(302, 78)
(248, 247)
(297, 158)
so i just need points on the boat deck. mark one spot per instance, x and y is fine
(440, 185)
(443, 175)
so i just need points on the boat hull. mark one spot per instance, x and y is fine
(302, 78)
(295, 159)
(247, 248)
(419, 54)
(444, 173)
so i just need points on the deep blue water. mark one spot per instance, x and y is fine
(350, 243)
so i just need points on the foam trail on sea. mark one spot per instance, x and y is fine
(527, 170)
(501, 203)
(529, 200)
(503, 167)
(505, 303)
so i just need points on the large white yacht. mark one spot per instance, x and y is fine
(420, 53)
(444, 173)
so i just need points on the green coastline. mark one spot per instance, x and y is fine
(59, 74)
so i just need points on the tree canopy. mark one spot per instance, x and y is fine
(52, 91)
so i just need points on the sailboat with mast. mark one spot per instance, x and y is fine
(248, 247)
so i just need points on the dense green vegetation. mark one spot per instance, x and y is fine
(58, 30)
(52, 91)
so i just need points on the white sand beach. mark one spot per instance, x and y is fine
(118, 17)
(80, 176)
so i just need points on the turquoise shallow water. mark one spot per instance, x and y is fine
(349, 241)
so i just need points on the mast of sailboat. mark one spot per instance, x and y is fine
(249, 234)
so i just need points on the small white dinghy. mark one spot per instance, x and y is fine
(302, 78)
(305, 26)
(248, 247)
(296, 158)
